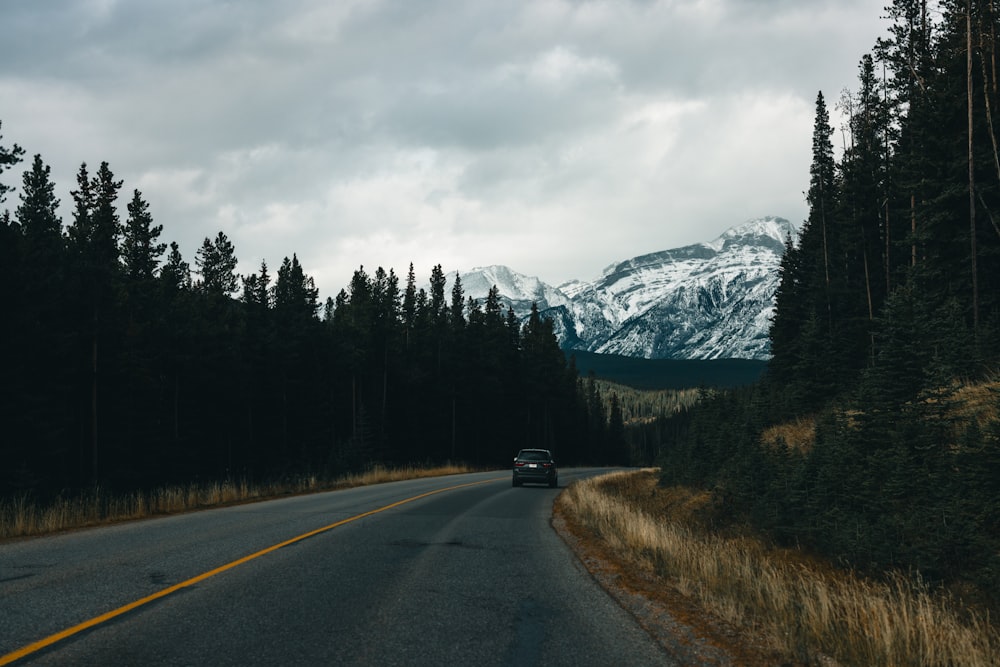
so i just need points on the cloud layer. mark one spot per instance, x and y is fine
(554, 136)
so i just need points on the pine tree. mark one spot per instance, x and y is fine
(9, 157)
(861, 220)
(822, 203)
(456, 313)
(175, 275)
(216, 262)
(616, 431)
(257, 289)
(41, 226)
(437, 300)
(410, 302)
(141, 250)
(38, 358)
(789, 315)
(295, 294)
(94, 255)
(105, 223)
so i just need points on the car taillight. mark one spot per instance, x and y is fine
(519, 464)
(546, 465)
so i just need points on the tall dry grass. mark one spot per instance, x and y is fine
(22, 517)
(810, 614)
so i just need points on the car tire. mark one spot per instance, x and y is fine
(515, 483)
(553, 483)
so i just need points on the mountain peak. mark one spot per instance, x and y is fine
(756, 231)
(703, 301)
(516, 289)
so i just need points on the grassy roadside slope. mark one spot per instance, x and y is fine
(21, 517)
(756, 603)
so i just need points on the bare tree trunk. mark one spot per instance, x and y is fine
(284, 412)
(177, 408)
(888, 235)
(385, 385)
(826, 259)
(972, 181)
(986, 101)
(93, 402)
(868, 291)
(993, 51)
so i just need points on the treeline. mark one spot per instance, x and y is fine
(125, 367)
(888, 302)
(666, 374)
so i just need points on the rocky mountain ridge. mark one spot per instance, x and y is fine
(711, 300)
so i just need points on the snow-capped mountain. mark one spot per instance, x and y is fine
(710, 300)
(518, 291)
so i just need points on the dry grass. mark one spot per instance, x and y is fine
(977, 401)
(21, 517)
(970, 402)
(798, 435)
(810, 612)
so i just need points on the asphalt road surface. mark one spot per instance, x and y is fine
(470, 574)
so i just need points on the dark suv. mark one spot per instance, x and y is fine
(535, 465)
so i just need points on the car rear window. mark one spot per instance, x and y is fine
(534, 456)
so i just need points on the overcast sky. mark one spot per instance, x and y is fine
(555, 137)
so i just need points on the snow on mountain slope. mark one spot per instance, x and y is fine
(517, 290)
(705, 301)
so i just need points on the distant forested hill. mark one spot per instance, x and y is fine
(669, 373)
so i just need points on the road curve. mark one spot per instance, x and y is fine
(447, 571)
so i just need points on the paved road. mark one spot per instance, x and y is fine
(470, 575)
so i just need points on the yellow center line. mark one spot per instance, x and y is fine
(103, 618)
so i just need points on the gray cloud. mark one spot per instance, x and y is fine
(549, 135)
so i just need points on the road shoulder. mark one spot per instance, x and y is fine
(688, 633)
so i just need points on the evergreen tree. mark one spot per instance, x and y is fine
(105, 224)
(788, 318)
(41, 228)
(216, 262)
(176, 273)
(437, 301)
(616, 432)
(817, 235)
(295, 295)
(456, 313)
(94, 258)
(8, 158)
(141, 250)
(410, 302)
(860, 240)
(36, 353)
(257, 289)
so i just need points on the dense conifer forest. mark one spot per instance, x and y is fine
(887, 321)
(124, 367)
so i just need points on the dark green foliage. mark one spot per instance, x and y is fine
(669, 373)
(121, 371)
(141, 250)
(887, 304)
(216, 262)
(8, 158)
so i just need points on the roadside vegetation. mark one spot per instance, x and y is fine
(808, 610)
(127, 366)
(872, 440)
(21, 516)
